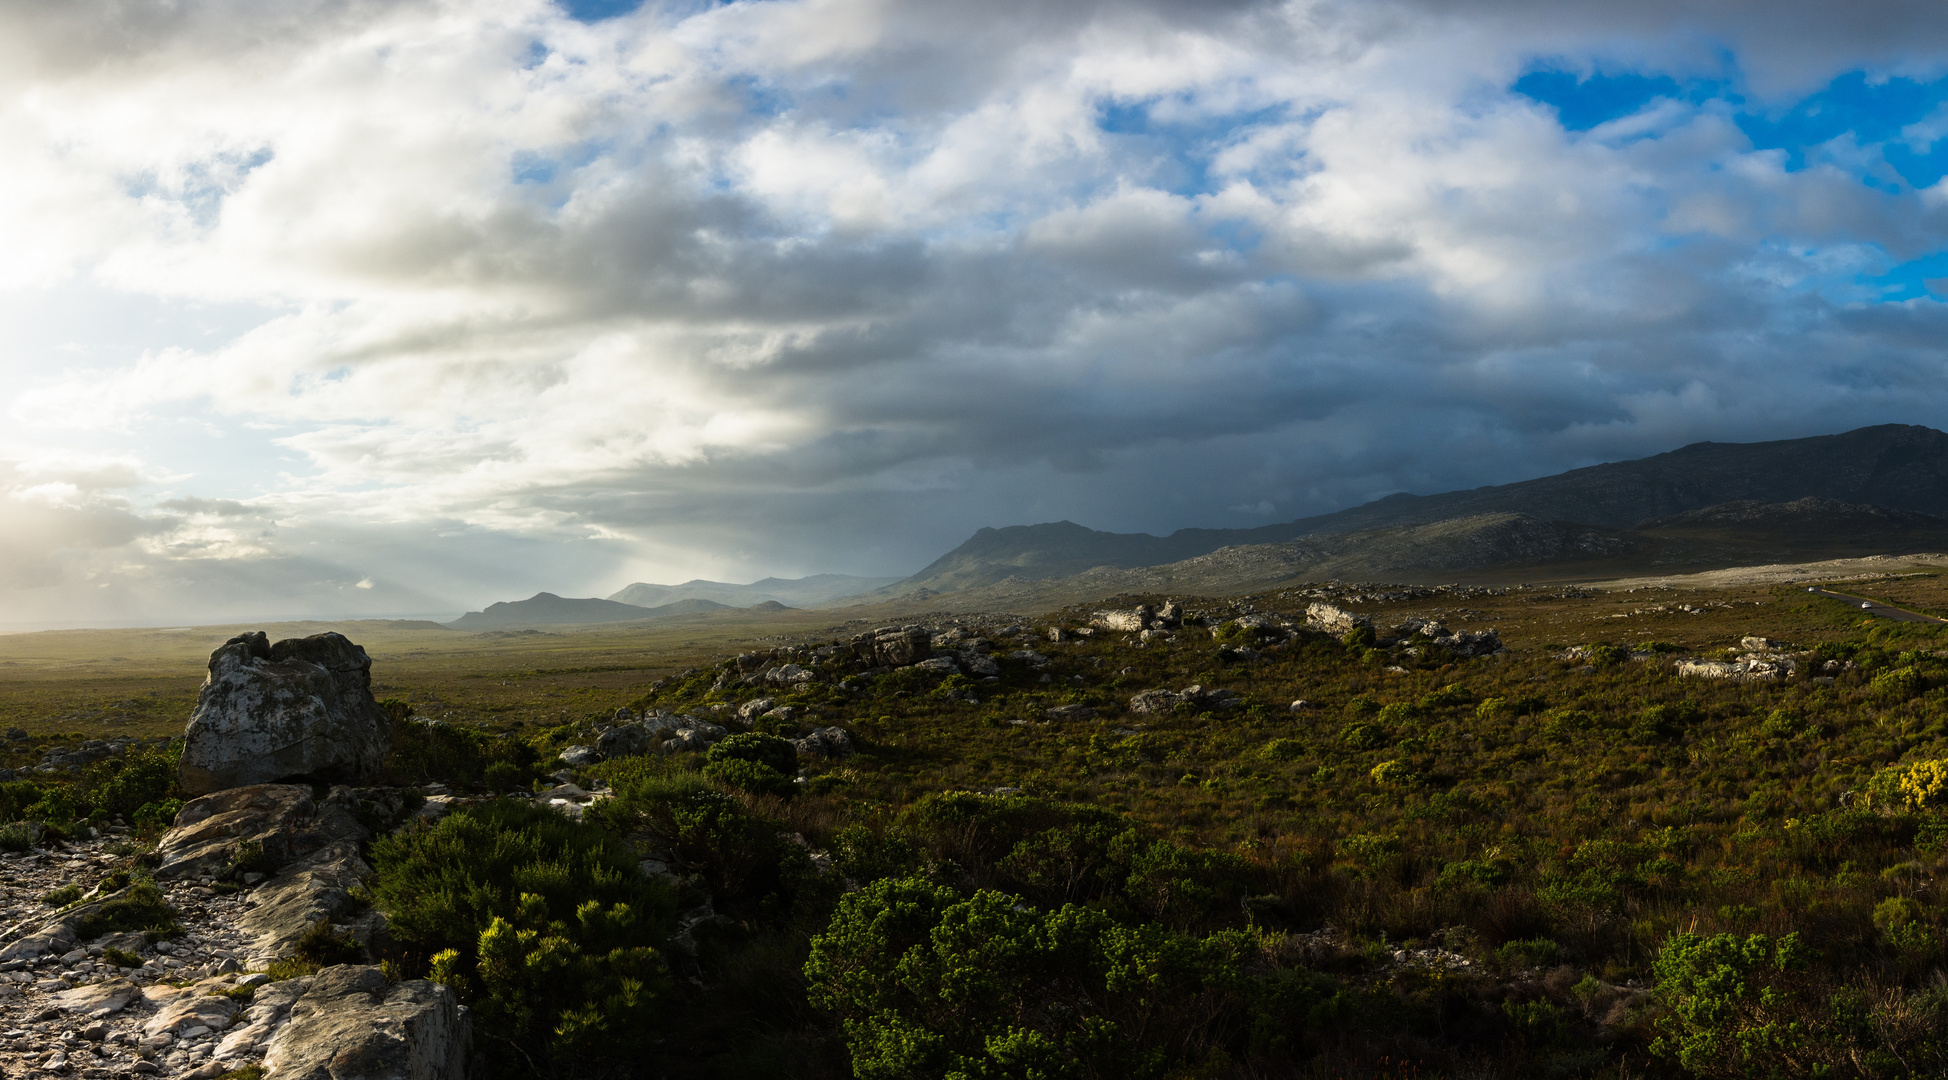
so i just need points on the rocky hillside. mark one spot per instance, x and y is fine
(1504, 546)
(1891, 469)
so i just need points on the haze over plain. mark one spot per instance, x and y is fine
(332, 308)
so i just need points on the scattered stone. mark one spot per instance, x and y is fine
(300, 708)
(625, 741)
(939, 665)
(1070, 712)
(1150, 702)
(580, 757)
(833, 742)
(1211, 698)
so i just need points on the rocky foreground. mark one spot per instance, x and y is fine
(189, 1005)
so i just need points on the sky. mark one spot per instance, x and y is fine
(341, 307)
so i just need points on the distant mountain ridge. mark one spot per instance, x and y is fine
(1890, 467)
(791, 592)
(547, 609)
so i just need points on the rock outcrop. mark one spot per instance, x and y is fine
(316, 887)
(302, 708)
(349, 1022)
(834, 742)
(1333, 619)
(894, 646)
(275, 823)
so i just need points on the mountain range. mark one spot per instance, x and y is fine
(1876, 490)
(1877, 472)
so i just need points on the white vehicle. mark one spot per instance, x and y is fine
(1864, 606)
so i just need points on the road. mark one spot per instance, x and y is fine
(1876, 608)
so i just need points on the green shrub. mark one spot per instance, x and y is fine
(1363, 736)
(564, 997)
(1566, 722)
(507, 776)
(1396, 714)
(1604, 655)
(156, 817)
(121, 788)
(1283, 750)
(121, 958)
(1472, 872)
(1452, 694)
(1360, 638)
(703, 831)
(442, 887)
(453, 755)
(751, 776)
(15, 838)
(143, 908)
(928, 984)
(768, 750)
(1897, 684)
(1782, 724)
(320, 946)
(1533, 953)
(1729, 1007)
(57, 806)
(15, 797)
(1394, 773)
(864, 855)
(63, 896)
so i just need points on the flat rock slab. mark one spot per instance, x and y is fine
(351, 1023)
(318, 886)
(191, 1007)
(99, 1000)
(281, 819)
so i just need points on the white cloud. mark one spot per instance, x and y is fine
(827, 283)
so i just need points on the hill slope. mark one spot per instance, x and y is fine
(791, 592)
(1892, 467)
(547, 609)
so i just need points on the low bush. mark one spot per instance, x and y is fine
(63, 896)
(928, 983)
(543, 925)
(142, 908)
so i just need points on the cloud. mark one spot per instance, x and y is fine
(826, 284)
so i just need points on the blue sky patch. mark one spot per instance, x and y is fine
(1873, 112)
(589, 11)
(1923, 277)
(1584, 101)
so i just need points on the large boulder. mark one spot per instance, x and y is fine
(351, 1022)
(301, 708)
